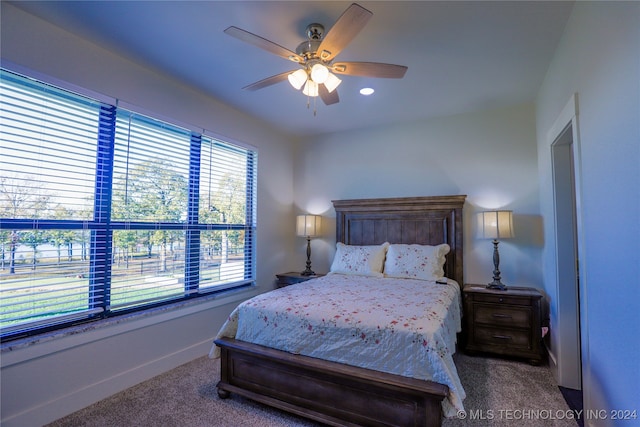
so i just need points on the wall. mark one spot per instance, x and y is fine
(598, 59)
(490, 156)
(51, 378)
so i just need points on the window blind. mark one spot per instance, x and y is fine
(104, 210)
(48, 140)
(150, 186)
(227, 203)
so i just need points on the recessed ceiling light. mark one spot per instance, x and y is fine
(366, 91)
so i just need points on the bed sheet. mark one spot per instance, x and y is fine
(400, 326)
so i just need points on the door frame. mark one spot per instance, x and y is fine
(564, 142)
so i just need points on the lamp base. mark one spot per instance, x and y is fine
(497, 284)
(307, 271)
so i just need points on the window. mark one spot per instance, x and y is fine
(105, 211)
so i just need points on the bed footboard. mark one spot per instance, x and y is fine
(333, 393)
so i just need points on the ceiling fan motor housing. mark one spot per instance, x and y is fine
(315, 31)
(308, 48)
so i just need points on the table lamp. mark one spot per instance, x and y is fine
(308, 226)
(495, 225)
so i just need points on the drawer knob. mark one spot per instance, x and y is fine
(501, 299)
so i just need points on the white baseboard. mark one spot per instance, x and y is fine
(553, 362)
(67, 404)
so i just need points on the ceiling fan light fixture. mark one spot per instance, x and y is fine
(298, 78)
(332, 82)
(319, 73)
(310, 88)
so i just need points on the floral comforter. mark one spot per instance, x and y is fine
(401, 326)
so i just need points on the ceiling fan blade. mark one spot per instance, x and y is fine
(328, 97)
(370, 69)
(268, 81)
(348, 25)
(263, 43)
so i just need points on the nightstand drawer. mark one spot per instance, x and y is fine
(497, 315)
(502, 299)
(500, 336)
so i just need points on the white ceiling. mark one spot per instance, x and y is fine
(462, 56)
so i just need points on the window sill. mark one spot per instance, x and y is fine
(38, 345)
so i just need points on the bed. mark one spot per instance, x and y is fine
(338, 381)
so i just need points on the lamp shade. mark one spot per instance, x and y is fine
(495, 225)
(319, 73)
(297, 78)
(310, 88)
(308, 225)
(332, 82)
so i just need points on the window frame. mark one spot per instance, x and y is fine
(102, 226)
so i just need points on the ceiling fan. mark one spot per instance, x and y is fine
(316, 57)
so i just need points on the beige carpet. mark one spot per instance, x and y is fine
(499, 393)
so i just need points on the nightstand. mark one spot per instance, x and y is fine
(504, 322)
(291, 278)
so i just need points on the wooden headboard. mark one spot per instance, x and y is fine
(410, 220)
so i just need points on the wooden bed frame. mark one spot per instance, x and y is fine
(339, 394)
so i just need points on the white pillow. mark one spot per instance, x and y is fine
(359, 260)
(421, 262)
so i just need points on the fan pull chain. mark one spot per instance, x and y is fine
(314, 104)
